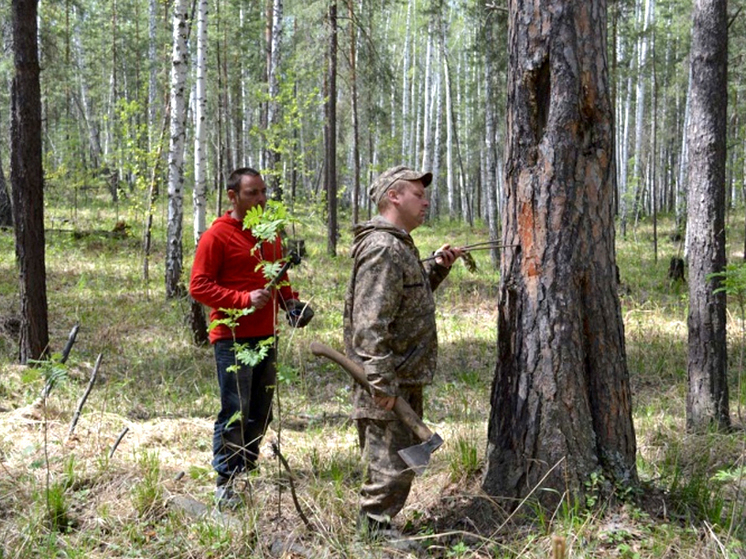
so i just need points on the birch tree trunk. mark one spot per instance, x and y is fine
(561, 404)
(642, 77)
(405, 110)
(27, 182)
(197, 319)
(429, 99)
(355, 115)
(682, 183)
(273, 106)
(152, 73)
(435, 199)
(174, 250)
(450, 185)
(707, 397)
(199, 201)
(491, 157)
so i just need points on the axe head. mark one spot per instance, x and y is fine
(417, 457)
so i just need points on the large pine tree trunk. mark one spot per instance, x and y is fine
(561, 406)
(27, 181)
(174, 241)
(707, 399)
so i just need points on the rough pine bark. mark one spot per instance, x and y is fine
(707, 398)
(330, 133)
(561, 406)
(27, 182)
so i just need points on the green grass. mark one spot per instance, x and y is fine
(154, 381)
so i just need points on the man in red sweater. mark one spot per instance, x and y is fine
(227, 274)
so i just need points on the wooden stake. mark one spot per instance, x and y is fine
(83, 398)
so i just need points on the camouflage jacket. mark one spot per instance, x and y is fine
(389, 316)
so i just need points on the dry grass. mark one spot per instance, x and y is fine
(143, 501)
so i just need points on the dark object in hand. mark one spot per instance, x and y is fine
(299, 314)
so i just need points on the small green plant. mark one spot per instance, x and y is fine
(593, 488)
(458, 550)
(148, 493)
(58, 508)
(463, 458)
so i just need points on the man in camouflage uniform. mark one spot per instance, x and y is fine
(389, 328)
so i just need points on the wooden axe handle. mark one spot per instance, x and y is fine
(401, 408)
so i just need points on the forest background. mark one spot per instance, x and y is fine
(422, 84)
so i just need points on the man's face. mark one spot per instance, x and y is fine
(251, 192)
(412, 204)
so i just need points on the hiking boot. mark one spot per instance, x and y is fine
(225, 496)
(375, 529)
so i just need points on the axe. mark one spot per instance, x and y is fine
(416, 457)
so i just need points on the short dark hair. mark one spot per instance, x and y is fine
(234, 180)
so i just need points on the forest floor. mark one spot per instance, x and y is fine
(77, 495)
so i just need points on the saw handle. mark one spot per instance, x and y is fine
(401, 408)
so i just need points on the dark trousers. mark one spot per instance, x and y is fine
(245, 408)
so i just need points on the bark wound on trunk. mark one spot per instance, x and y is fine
(542, 87)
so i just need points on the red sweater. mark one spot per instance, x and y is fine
(225, 272)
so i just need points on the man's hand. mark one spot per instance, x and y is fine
(385, 401)
(260, 298)
(446, 256)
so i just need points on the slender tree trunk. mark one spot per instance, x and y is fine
(405, 110)
(642, 77)
(174, 241)
(273, 105)
(707, 398)
(429, 99)
(153, 72)
(561, 402)
(491, 157)
(450, 183)
(199, 194)
(435, 200)
(355, 115)
(682, 186)
(27, 180)
(331, 133)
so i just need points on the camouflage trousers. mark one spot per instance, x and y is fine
(388, 479)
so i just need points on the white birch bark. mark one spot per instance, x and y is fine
(199, 193)
(429, 98)
(491, 167)
(405, 86)
(682, 183)
(179, 61)
(622, 168)
(450, 187)
(435, 191)
(642, 78)
(152, 73)
(273, 108)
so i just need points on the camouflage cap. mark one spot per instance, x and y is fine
(387, 179)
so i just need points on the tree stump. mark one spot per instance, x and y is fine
(676, 269)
